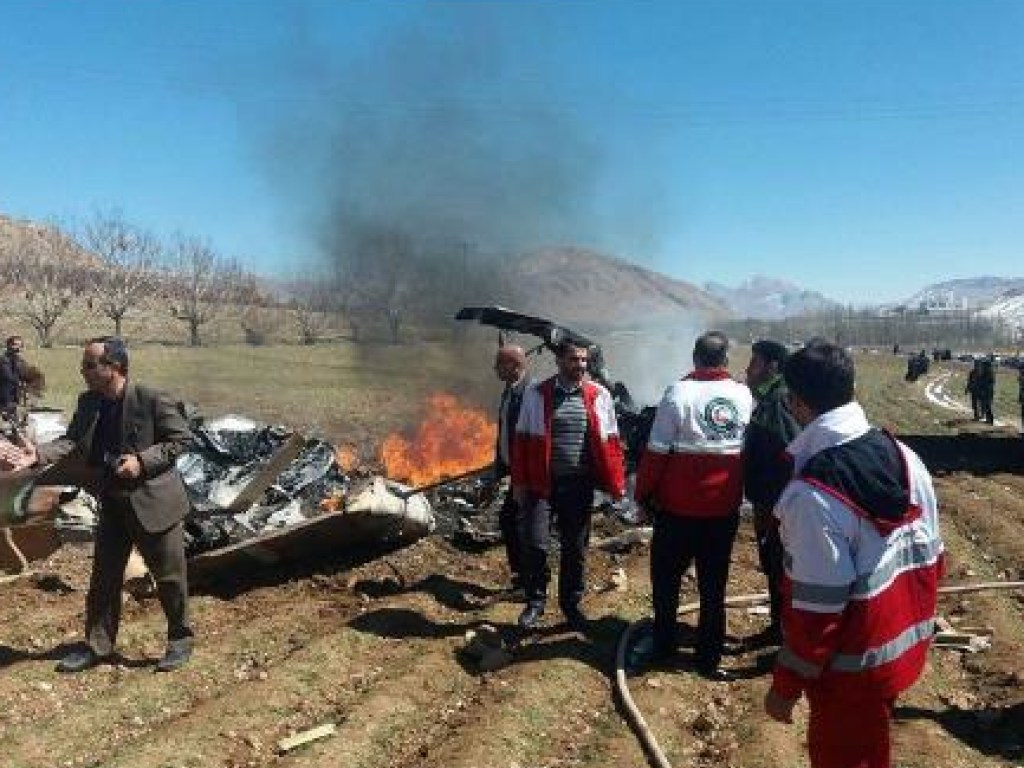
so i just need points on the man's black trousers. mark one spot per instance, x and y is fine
(570, 506)
(677, 542)
(164, 554)
(507, 522)
(769, 553)
(986, 408)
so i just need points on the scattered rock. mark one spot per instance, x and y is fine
(617, 581)
(486, 646)
(494, 660)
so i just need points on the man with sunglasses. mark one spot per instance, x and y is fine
(130, 435)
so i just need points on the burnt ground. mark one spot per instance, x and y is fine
(374, 647)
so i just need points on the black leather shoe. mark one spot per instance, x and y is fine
(513, 594)
(575, 618)
(531, 615)
(767, 637)
(177, 655)
(79, 661)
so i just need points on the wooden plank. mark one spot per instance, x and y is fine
(305, 737)
(268, 473)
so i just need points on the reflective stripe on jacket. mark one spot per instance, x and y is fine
(863, 558)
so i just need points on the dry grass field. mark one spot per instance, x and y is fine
(374, 647)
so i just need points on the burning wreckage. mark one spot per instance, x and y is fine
(259, 494)
(263, 494)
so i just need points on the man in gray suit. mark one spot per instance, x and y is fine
(130, 436)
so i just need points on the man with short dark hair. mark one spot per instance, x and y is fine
(863, 559)
(566, 446)
(11, 377)
(510, 368)
(131, 436)
(766, 466)
(973, 388)
(986, 385)
(691, 480)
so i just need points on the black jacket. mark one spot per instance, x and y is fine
(766, 465)
(10, 382)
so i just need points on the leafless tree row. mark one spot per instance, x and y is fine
(376, 276)
(115, 268)
(382, 275)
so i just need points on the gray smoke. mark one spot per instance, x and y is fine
(433, 135)
(647, 362)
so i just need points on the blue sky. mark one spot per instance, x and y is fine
(863, 148)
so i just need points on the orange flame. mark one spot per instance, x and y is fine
(453, 439)
(332, 502)
(346, 457)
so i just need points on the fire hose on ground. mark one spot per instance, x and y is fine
(636, 719)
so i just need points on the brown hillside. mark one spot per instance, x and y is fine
(590, 290)
(19, 238)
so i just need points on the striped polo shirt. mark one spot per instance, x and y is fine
(569, 453)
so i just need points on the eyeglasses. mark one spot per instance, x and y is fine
(91, 365)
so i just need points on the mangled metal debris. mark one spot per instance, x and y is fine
(303, 505)
(257, 493)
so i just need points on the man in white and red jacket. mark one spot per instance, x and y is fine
(690, 480)
(566, 446)
(863, 559)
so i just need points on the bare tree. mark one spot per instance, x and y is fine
(314, 300)
(49, 270)
(129, 274)
(201, 284)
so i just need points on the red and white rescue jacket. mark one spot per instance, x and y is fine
(692, 466)
(531, 449)
(863, 559)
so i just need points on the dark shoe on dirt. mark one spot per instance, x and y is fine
(531, 615)
(514, 594)
(177, 655)
(575, 618)
(79, 660)
(768, 637)
(716, 674)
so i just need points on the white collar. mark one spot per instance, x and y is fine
(840, 425)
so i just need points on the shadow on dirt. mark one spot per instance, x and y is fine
(596, 647)
(995, 731)
(10, 656)
(455, 594)
(978, 454)
(229, 583)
